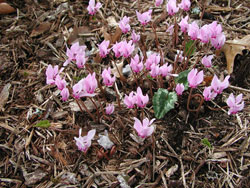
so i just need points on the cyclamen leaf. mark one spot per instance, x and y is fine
(182, 78)
(163, 101)
(205, 142)
(43, 124)
(190, 48)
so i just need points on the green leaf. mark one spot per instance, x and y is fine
(205, 142)
(182, 78)
(190, 48)
(163, 101)
(150, 77)
(43, 124)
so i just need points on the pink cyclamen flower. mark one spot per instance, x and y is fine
(51, 74)
(103, 48)
(171, 7)
(135, 64)
(154, 58)
(110, 109)
(219, 86)
(141, 100)
(179, 89)
(89, 85)
(155, 70)
(207, 61)
(219, 41)
(209, 93)
(130, 100)
(93, 8)
(234, 103)
(145, 17)
(184, 24)
(124, 24)
(81, 60)
(185, 5)
(158, 2)
(193, 30)
(215, 28)
(84, 142)
(205, 34)
(60, 83)
(143, 128)
(117, 49)
(106, 76)
(127, 48)
(65, 94)
(166, 69)
(135, 37)
(195, 78)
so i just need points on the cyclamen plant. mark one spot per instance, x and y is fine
(166, 80)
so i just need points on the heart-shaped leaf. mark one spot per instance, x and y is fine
(182, 78)
(163, 101)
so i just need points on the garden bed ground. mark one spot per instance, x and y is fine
(36, 36)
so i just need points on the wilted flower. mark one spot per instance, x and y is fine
(107, 79)
(110, 109)
(179, 89)
(207, 61)
(93, 8)
(124, 24)
(171, 7)
(143, 128)
(234, 103)
(219, 86)
(195, 78)
(145, 17)
(84, 142)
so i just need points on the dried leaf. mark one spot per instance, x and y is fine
(118, 72)
(6, 8)
(112, 22)
(4, 95)
(42, 28)
(117, 35)
(233, 47)
(74, 36)
(34, 177)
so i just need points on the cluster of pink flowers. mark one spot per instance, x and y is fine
(53, 78)
(172, 7)
(145, 17)
(136, 98)
(76, 53)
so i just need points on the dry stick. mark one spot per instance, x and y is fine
(97, 110)
(117, 95)
(86, 109)
(175, 30)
